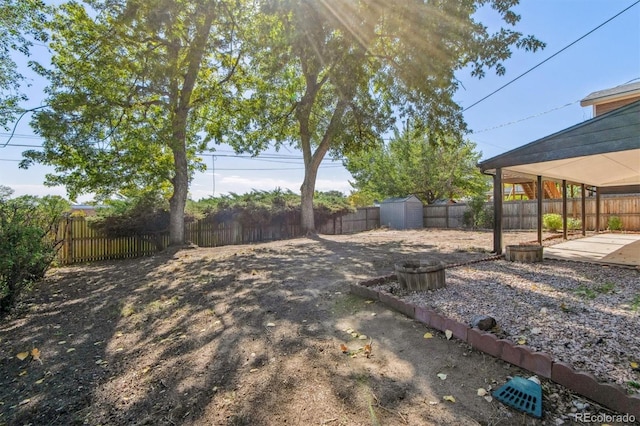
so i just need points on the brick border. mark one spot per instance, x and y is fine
(609, 395)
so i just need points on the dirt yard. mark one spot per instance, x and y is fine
(248, 335)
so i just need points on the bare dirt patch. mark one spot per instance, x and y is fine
(247, 335)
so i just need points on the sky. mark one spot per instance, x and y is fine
(540, 103)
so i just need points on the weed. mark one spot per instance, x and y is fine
(590, 293)
(606, 288)
(127, 310)
(585, 292)
(633, 384)
(635, 303)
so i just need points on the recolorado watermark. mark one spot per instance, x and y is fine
(604, 418)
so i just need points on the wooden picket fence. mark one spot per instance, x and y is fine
(81, 243)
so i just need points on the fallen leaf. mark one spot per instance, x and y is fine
(22, 356)
(39, 382)
(522, 341)
(448, 333)
(23, 373)
(62, 342)
(270, 324)
(428, 336)
(362, 337)
(442, 376)
(253, 370)
(634, 365)
(449, 398)
(25, 401)
(482, 392)
(71, 350)
(368, 301)
(367, 350)
(344, 348)
(355, 334)
(35, 353)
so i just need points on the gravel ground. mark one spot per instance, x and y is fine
(582, 314)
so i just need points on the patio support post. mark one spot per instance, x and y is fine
(597, 210)
(583, 207)
(540, 195)
(497, 211)
(564, 209)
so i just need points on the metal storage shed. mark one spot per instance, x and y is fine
(402, 213)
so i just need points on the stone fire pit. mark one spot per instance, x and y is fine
(420, 274)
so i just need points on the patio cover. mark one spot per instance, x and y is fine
(603, 152)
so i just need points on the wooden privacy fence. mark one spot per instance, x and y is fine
(85, 244)
(523, 214)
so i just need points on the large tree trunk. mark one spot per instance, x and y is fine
(179, 123)
(178, 200)
(307, 190)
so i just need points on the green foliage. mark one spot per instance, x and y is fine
(615, 223)
(552, 221)
(574, 224)
(635, 303)
(28, 243)
(145, 215)
(133, 84)
(20, 25)
(478, 214)
(592, 293)
(412, 164)
(258, 208)
(329, 78)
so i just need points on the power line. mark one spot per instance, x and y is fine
(552, 56)
(524, 119)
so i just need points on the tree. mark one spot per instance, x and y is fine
(132, 84)
(20, 26)
(412, 164)
(330, 77)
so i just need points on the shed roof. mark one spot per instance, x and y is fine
(400, 199)
(603, 151)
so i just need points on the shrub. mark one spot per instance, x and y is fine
(478, 214)
(573, 224)
(276, 207)
(615, 223)
(28, 242)
(145, 216)
(552, 221)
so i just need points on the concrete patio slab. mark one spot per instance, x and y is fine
(615, 249)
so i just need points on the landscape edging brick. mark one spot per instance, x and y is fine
(608, 394)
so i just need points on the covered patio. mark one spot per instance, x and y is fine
(601, 155)
(606, 249)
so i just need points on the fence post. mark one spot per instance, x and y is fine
(446, 213)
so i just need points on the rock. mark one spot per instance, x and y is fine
(483, 322)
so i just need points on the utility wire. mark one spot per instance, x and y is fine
(550, 57)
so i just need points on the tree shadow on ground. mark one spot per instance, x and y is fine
(243, 335)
